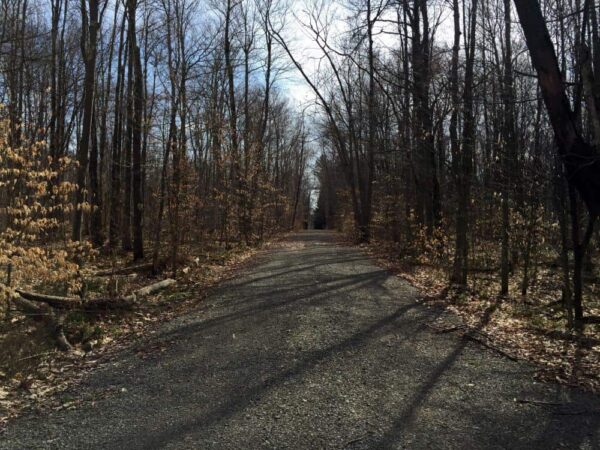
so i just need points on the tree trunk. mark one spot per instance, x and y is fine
(95, 193)
(509, 144)
(136, 131)
(90, 27)
(115, 173)
(126, 167)
(460, 267)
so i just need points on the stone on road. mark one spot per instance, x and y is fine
(312, 347)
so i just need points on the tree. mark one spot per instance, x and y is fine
(509, 144)
(136, 118)
(465, 163)
(581, 162)
(90, 24)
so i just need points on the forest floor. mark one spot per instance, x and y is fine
(312, 346)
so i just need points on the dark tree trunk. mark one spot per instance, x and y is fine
(508, 152)
(136, 118)
(89, 36)
(95, 193)
(465, 163)
(115, 173)
(126, 169)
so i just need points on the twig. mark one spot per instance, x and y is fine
(560, 412)
(124, 270)
(447, 330)
(355, 440)
(482, 341)
(36, 356)
(537, 402)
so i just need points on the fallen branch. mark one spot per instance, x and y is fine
(128, 302)
(37, 355)
(42, 307)
(32, 309)
(94, 304)
(452, 329)
(355, 440)
(52, 300)
(151, 289)
(564, 411)
(484, 340)
(537, 402)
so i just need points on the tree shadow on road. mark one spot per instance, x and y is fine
(264, 303)
(549, 438)
(240, 398)
(300, 296)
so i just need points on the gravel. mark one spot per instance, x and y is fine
(312, 347)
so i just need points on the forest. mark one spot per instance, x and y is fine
(147, 145)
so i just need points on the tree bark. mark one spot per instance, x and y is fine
(90, 27)
(465, 165)
(115, 173)
(136, 138)
(95, 193)
(508, 153)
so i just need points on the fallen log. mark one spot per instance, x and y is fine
(95, 304)
(151, 289)
(52, 300)
(42, 307)
(37, 311)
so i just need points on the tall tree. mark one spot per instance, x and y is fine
(509, 144)
(136, 118)
(90, 25)
(465, 165)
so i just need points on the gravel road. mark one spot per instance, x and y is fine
(312, 347)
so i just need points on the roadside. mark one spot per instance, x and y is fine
(530, 328)
(33, 371)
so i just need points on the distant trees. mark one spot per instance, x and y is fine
(350, 129)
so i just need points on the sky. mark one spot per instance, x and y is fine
(307, 52)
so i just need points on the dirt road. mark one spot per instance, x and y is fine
(313, 347)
